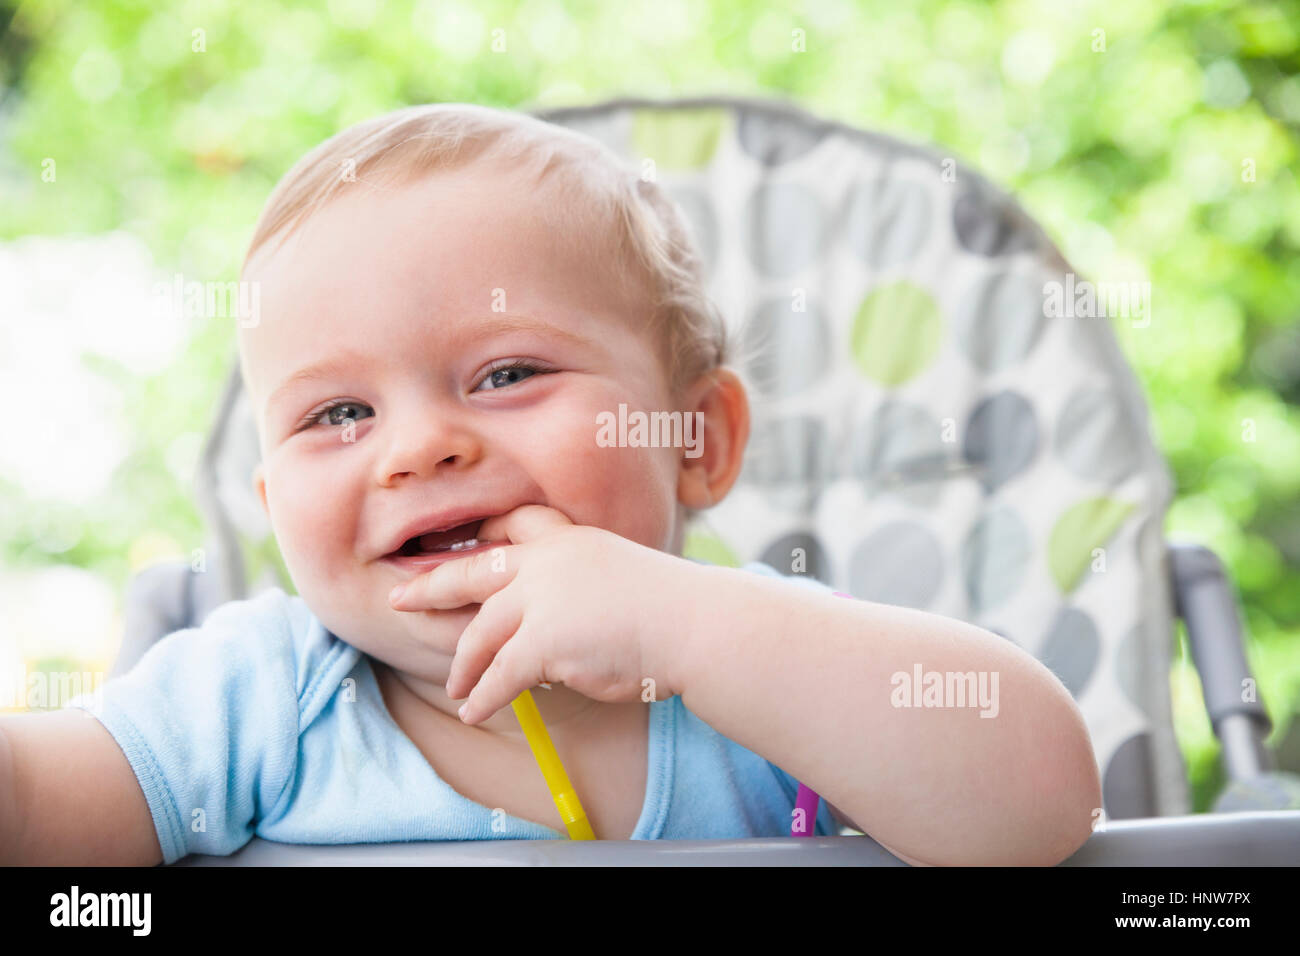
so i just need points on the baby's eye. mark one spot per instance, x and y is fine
(345, 409)
(504, 375)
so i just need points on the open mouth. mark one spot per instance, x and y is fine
(460, 538)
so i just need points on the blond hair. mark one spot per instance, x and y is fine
(644, 225)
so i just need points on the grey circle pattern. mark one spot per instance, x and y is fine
(787, 351)
(902, 452)
(701, 220)
(773, 141)
(787, 459)
(780, 554)
(887, 222)
(989, 224)
(1072, 649)
(784, 226)
(1132, 672)
(899, 563)
(1096, 438)
(1001, 438)
(1126, 786)
(1000, 320)
(994, 558)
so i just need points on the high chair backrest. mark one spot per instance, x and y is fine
(940, 418)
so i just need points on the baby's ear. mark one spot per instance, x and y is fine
(711, 466)
(259, 487)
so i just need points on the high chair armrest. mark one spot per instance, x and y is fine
(1208, 605)
(1260, 838)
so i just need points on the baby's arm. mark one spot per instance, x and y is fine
(68, 795)
(807, 681)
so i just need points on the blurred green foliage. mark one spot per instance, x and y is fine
(1153, 141)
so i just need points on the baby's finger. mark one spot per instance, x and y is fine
(468, 580)
(515, 669)
(524, 523)
(496, 622)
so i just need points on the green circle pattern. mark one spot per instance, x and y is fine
(1086, 525)
(678, 139)
(708, 547)
(896, 332)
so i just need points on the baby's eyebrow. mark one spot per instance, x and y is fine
(334, 365)
(500, 322)
(496, 324)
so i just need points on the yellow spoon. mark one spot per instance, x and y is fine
(566, 799)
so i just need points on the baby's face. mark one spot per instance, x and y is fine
(390, 295)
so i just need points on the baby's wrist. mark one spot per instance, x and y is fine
(703, 605)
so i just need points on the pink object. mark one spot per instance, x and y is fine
(808, 800)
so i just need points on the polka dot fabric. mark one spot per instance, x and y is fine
(924, 434)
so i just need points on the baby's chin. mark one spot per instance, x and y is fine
(419, 643)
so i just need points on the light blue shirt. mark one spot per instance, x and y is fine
(260, 722)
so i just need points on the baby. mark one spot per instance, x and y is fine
(452, 548)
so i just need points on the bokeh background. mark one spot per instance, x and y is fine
(1153, 141)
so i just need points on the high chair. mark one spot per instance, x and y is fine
(927, 432)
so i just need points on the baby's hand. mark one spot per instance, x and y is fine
(562, 602)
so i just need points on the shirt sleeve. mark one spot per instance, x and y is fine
(825, 824)
(208, 719)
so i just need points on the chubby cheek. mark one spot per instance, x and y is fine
(314, 525)
(630, 491)
(317, 535)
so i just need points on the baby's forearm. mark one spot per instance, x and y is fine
(810, 682)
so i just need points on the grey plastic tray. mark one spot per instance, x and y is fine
(1262, 838)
